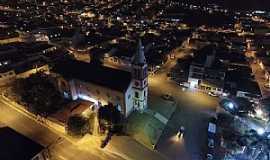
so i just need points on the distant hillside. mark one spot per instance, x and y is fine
(246, 4)
(238, 4)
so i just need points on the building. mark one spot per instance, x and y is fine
(206, 72)
(249, 89)
(16, 146)
(140, 79)
(101, 85)
(22, 70)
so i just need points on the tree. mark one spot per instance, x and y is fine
(110, 118)
(39, 93)
(78, 126)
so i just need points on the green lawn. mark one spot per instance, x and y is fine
(144, 128)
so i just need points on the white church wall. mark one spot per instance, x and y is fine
(129, 100)
(101, 94)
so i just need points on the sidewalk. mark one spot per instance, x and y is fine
(44, 122)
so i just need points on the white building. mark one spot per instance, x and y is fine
(101, 85)
(140, 79)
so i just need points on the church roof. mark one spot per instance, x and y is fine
(104, 76)
(139, 57)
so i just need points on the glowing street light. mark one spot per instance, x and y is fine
(230, 105)
(260, 131)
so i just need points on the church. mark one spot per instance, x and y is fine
(103, 85)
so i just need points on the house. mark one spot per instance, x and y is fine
(16, 146)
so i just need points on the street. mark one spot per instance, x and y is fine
(64, 150)
(193, 111)
(87, 148)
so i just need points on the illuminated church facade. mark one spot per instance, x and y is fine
(103, 85)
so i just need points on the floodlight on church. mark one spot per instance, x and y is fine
(87, 98)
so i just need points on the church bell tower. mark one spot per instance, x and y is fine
(139, 79)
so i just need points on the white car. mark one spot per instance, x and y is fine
(212, 94)
(181, 84)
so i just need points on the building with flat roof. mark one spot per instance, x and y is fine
(15, 146)
(206, 72)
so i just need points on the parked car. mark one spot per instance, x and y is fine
(212, 94)
(167, 97)
(181, 83)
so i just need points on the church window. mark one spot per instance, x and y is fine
(136, 94)
(129, 96)
(144, 93)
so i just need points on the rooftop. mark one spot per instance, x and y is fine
(104, 76)
(249, 86)
(16, 146)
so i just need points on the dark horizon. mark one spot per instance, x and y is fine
(237, 4)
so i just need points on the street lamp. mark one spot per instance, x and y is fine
(260, 131)
(230, 105)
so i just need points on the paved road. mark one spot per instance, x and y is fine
(193, 111)
(65, 150)
(87, 148)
